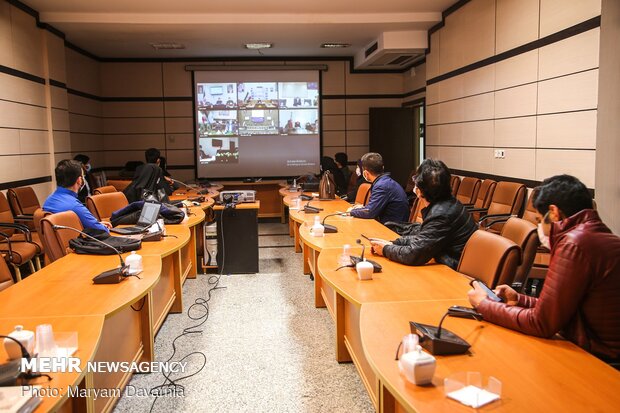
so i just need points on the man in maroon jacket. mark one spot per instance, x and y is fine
(581, 296)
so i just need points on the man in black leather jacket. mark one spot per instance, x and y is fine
(446, 225)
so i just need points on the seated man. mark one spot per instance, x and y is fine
(148, 177)
(388, 201)
(70, 178)
(581, 295)
(446, 224)
(88, 187)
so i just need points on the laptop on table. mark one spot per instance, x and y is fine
(148, 216)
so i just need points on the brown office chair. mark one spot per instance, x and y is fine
(490, 258)
(119, 184)
(57, 241)
(363, 194)
(18, 243)
(416, 210)
(104, 190)
(102, 206)
(352, 182)
(455, 182)
(99, 179)
(23, 203)
(39, 214)
(523, 233)
(410, 185)
(508, 199)
(468, 190)
(6, 279)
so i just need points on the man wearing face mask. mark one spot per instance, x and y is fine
(581, 295)
(70, 178)
(88, 187)
(360, 180)
(388, 201)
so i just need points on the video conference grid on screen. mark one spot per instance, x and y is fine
(257, 128)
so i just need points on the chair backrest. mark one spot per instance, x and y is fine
(6, 279)
(455, 182)
(23, 200)
(352, 182)
(6, 216)
(99, 178)
(102, 206)
(410, 185)
(468, 190)
(490, 258)
(415, 214)
(38, 215)
(119, 184)
(104, 190)
(363, 193)
(529, 214)
(523, 233)
(508, 198)
(487, 188)
(56, 241)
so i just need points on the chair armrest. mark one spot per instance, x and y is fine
(477, 210)
(8, 243)
(497, 218)
(18, 227)
(24, 217)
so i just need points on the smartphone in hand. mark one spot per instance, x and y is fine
(492, 296)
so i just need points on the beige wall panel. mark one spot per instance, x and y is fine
(8, 142)
(84, 106)
(179, 125)
(11, 168)
(333, 138)
(21, 90)
(516, 132)
(433, 114)
(333, 106)
(332, 82)
(122, 157)
(432, 152)
(432, 59)
(177, 81)
(479, 81)
(56, 57)
(34, 166)
(452, 111)
(374, 83)
(551, 162)
(574, 92)
(414, 78)
(131, 79)
(414, 97)
(27, 43)
(60, 120)
(85, 124)
(478, 30)
(517, 70)
(433, 135)
(571, 55)
(59, 97)
(357, 138)
(518, 163)
(82, 73)
(357, 122)
(478, 107)
(133, 142)
(333, 122)
(478, 160)
(132, 109)
(97, 159)
(451, 134)
(450, 54)
(452, 88)
(137, 125)
(516, 101)
(62, 141)
(180, 141)
(181, 157)
(15, 115)
(432, 93)
(478, 133)
(43, 190)
(568, 130)
(81, 142)
(361, 106)
(6, 38)
(517, 23)
(452, 156)
(178, 109)
(355, 152)
(333, 150)
(556, 15)
(32, 141)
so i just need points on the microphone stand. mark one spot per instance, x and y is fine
(25, 355)
(431, 338)
(113, 276)
(311, 209)
(330, 229)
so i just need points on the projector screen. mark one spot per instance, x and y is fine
(257, 123)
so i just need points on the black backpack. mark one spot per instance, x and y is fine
(84, 245)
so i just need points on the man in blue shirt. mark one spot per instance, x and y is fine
(388, 201)
(70, 179)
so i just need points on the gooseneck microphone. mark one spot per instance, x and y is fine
(330, 229)
(431, 337)
(311, 209)
(359, 242)
(114, 276)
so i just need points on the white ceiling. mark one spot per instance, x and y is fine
(125, 28)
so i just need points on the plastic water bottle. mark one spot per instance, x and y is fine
(345, 257)
(317, 229)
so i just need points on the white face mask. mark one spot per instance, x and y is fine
(544, 239)
(357, 171)
(88, 167)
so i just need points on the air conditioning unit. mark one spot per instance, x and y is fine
(393, 50)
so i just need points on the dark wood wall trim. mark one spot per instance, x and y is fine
(442, 23)
(536, 44)
(22, 75)
(58, 83)
(25, 182)
(129, 98)
(376, 96)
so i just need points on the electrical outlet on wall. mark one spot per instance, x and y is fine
(500, 153)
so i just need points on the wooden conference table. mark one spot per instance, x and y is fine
(115, 322)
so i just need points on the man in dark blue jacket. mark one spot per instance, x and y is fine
(388, 201)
